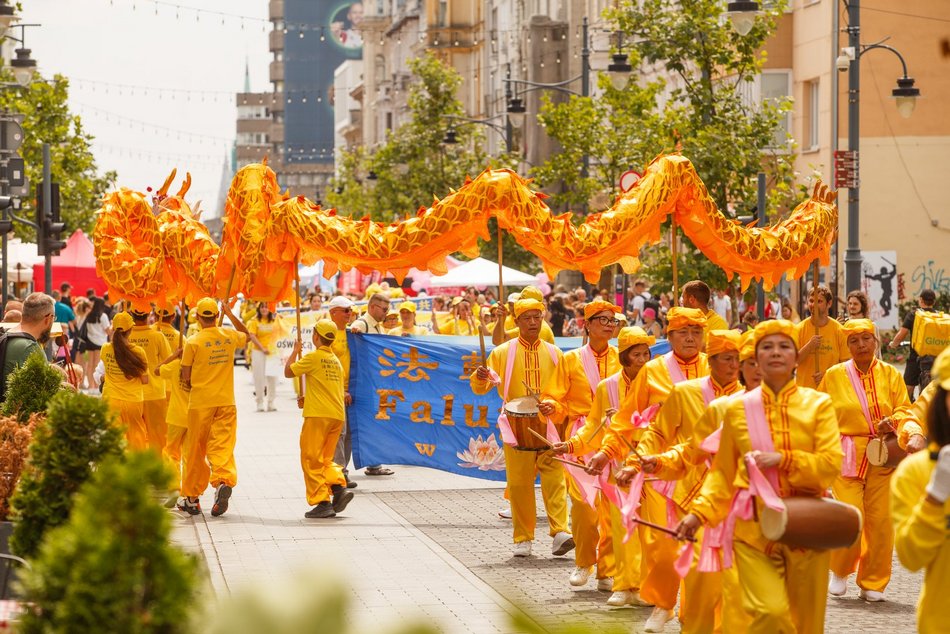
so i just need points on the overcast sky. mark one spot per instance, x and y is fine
(191, 64)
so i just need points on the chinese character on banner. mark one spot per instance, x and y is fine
(470, 363)
(415, 365)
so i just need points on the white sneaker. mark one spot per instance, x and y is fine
(606, 584)
(505, 513)
(871, 596)
(838, 586)
(657, 620)
(563, 543)
(621, 598)
(260, 407)
(522, 549)
(580, 576)
(271, 407)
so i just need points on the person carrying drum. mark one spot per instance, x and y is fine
(784, 439)
(870, 401)
(673, 427)
(685, 331)
(515, 367)
(567, 398)
(920, 506)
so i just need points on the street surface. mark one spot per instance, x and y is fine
(421, 545)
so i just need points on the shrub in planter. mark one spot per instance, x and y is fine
(14, 443)
(111, 567)
(30, 388)
(78, 434)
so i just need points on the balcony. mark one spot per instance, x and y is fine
(275, 10)
(276, 71)
(276, 40)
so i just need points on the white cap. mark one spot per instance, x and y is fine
(513, 297)
(340, 302)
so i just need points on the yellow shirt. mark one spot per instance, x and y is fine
(833, 349)
(673, 426)
(210, 354)
(714, 321)
(922, 538)
(546, 333)
(803, 429)
(170, 333)
(416, 331)
(532, 364)
(886, 396)
(178, 402)
(267, 332)
(569, 388)
(117, 386)
(920, 407)
(193, 329)
(156, 351)
(324, 382)
(585, 440)
(677, 460)
(652, 385)
(341, 349)
(457, 327)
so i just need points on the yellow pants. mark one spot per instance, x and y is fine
(784, 590)
(659, 583)
(155, 425)
(318, 438)
(174, 440)
(521, 469)
(626, 556)
(591, 530)
(209, 449)
(871, 555)
(132, 418)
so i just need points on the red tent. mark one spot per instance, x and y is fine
(75, 264)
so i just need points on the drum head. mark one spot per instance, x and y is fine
(877, 452)
(523, 405)
(773, 523)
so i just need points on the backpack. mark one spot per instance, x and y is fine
(5, 337)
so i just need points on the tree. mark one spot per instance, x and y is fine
(47, 119)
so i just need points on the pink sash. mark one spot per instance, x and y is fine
(676, 372)
(849, 466)
(709, 392)
(507, 435)
(592, 372)
(613, 391)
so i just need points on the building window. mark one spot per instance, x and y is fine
(775, 86)
(811, 115)
(442, 17)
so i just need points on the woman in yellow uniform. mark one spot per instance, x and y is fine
(265, 329)
(870, 398)
(567, 401)
(126, 372)
(920, 508)
(790, 435)
(407, 326)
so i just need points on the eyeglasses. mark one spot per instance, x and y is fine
(605, 321)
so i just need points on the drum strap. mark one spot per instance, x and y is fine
(676, 372)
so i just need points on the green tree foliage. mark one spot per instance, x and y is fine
(111, 567)
(30, 388)
(79, 433)
(47, 119)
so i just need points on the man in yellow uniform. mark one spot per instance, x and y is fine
(696, 295)
(515, 367)
(207, 370)
(323, 419)
(684, 362)
(870, 398)
(155, 401)
(164, 325)
(633, 346)
(567, 400)
(920, 505)
(821, 343)
(672, 428)
(790, 435)
(505, 328)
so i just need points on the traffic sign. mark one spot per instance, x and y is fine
(628, 179)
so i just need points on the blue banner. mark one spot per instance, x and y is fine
(412, 404)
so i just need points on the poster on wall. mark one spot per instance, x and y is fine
(879, 282)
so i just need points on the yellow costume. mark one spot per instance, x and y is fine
(457, 327)
(833, 349)
(416, 331)
(923, 538)
(170, 333)
(265, 365)
(155, 401)
(922, 404)
(714, 321)
(534, 363)
(176, 416)
(125, 397)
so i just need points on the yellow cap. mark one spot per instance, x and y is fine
(747, 349)
(857, 326)
(718, 341)
(775, 327)
(326, 329)
(941, 369)
(458, 300)
(165, 311)
(207, 307)
(632, 336)
(410, 306)
(122, 321)
(524, 305)
(530, 292)
(598, 306)
(678, 317)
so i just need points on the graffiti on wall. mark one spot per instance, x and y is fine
(879, 282)
(932, 276)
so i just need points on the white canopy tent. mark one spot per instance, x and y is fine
(21, 256)
(481, 272)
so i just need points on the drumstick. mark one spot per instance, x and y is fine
(598, 428)
(663, 529)
(547, 442)
(568, 462)
(531, 392)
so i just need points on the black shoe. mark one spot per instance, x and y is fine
(321, 511)
(341, 497)
(349, 483)
(192, 507)
(221, 496)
